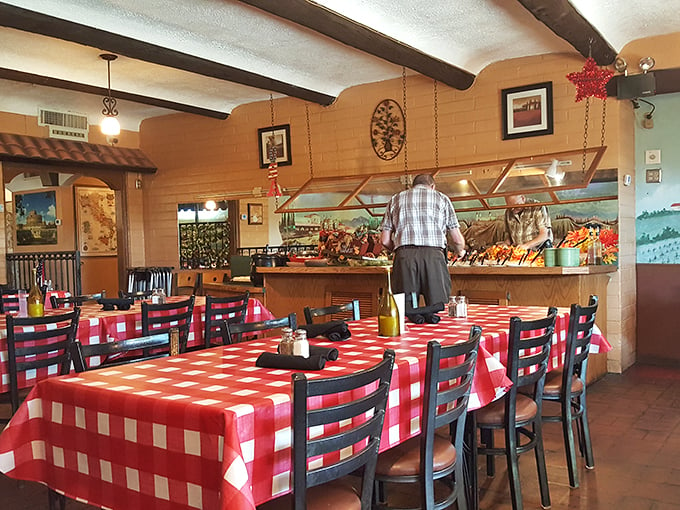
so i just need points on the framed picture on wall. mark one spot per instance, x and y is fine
(276, 140)
(255, 212)
(36, 218)
(96, 221)
(527, 111)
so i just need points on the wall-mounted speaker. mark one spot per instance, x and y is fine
(636, 85)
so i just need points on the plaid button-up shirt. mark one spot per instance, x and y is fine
(420, 216)
(525, 225)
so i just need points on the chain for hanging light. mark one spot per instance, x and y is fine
(604, 119)
(309, 142)
(436, 126)
(273, 171)
(271, 107)
(403, 86)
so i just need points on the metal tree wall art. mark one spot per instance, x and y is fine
(388, 129)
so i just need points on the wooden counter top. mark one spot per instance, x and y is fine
(454, 270)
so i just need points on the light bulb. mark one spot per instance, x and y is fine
(110, 126)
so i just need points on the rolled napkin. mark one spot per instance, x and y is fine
(333, 330)
(109, 304)
(425, 314)
(330, 353)
(288, 362)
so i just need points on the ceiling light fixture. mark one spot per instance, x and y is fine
(646, 63)
(621, 65)
(553, 171)
(109, 124)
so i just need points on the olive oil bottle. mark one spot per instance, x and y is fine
(388, 313)
(36, 302)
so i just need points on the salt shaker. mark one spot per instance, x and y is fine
(161, 296)
(286, 343)
(461, 307)
(155, 297)
(301, 344)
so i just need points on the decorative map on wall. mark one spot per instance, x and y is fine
(96, 213)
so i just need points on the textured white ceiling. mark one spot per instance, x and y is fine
(470, 34)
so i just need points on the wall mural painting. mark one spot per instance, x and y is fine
(96, 211)
(36, 215)
(658, 227)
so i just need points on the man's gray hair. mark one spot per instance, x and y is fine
(425, 179)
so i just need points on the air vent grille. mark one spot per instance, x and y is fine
(65, 125)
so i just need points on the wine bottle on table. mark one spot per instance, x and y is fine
(36, 302)
(388, 313)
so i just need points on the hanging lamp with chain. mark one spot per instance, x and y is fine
(590, 82)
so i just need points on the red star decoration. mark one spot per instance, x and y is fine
(591, 80)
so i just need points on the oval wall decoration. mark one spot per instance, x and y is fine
(388, 129)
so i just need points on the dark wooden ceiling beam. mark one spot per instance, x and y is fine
(12, 75)
(565, 21)
(37, 23)
(361, 37)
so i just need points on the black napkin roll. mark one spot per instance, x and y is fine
(288, 362)
(333, 330)
(425, 314)
(109, 304)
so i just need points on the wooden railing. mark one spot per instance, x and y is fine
(61, 267)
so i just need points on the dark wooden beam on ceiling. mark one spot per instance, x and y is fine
(562, 18)
(37, 23)
(12, 75)
(361, 37)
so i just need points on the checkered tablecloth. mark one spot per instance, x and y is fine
(209, 429)
(97, 325)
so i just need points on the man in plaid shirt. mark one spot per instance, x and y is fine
(415, 226)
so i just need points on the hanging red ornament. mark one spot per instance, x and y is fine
(273, 175)
(591, 81)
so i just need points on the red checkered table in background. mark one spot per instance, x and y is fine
(209, 429)
(97, 325)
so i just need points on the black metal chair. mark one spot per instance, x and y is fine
(235, 332)
(321, 487)
(430, 456)
(219, 311)
(518, 413)
(35, 343)
(141, 294)
(568, 387)
(10, 301)
(110, 351)
(348, 311)
(161, 318)
(71, 301)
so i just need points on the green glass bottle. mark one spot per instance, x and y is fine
(36, 302)
(388, 313)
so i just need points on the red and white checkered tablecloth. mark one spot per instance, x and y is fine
(209, 429)
(97, 325)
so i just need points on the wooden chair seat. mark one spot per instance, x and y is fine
(404, 459)
(494, 413)
(340, 494)
(553, 384)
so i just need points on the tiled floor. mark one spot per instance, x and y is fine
(635, 424)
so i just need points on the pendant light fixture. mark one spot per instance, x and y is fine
(109, 124)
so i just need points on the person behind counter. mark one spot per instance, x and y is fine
(415, 226)
(526, 227)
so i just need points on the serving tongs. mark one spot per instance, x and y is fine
(545, 244)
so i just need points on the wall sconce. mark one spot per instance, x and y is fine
(109, 124)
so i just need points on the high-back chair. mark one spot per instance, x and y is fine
(71, 301)
(430, 456)
(316, 487)
(160, 318)
(235, 332)
(222, 310)
(109, 352)
(10, 301)
(348, 311)
(518, 413)
(568, 387)
(35, 343)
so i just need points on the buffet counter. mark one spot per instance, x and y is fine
(290, 289)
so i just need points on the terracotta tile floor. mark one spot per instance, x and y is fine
(635, 424)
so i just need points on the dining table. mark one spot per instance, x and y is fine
(97, 325)
(210, 429)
